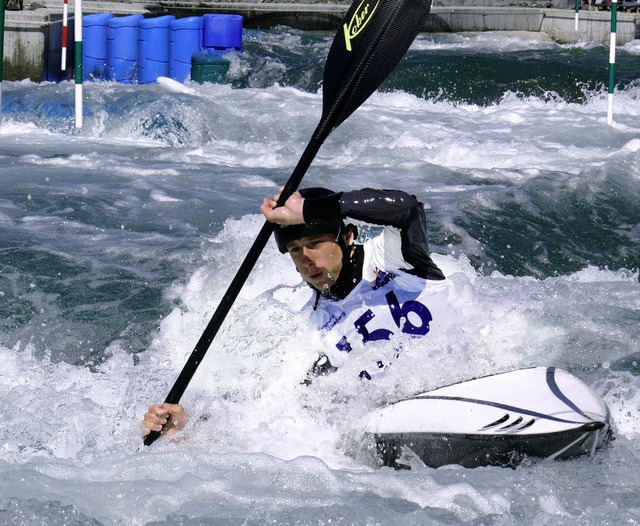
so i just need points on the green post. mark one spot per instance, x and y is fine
(77, 50)
(612, 60)
(577, 11)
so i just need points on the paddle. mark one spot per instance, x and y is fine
(375, 35)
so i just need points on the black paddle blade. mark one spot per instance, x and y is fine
(374, 37)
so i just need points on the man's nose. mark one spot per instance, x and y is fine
(306, 254)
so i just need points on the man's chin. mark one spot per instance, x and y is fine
(319, 285)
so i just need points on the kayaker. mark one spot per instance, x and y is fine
(363, 292)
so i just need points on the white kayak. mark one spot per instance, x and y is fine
(496, 420)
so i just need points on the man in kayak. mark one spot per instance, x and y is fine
(363, 292)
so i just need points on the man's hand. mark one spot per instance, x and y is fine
(173, 415)
(289, 214)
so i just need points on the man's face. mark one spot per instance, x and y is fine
(318, 259)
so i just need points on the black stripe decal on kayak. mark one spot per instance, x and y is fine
(497, 422)
(512, 424)
(551, 382)
(506, 407)
(528, 424)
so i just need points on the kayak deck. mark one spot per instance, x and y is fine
(497, 420)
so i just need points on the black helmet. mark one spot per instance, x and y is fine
(286, 234)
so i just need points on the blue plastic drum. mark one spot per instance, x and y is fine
(222, 32)
(153, 48)
(94, 46)
(122, 48)
(185, 39)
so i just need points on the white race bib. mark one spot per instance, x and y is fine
(395, 302)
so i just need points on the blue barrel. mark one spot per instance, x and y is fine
(222, 32)
(185, 39)
(122, 48)
(94, 45)
(153, 48)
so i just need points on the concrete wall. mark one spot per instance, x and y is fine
(25, 40)
(593, 26)
(27, 33)
(559, 24)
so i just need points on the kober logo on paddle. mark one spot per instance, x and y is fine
(358, 21)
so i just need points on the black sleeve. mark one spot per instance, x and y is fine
(388, 208)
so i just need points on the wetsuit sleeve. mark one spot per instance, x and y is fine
(393, 208)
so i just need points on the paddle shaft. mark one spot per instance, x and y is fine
(227, 301)
(241, 276)
(211, 330)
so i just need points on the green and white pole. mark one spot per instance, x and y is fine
(577, 11)
(78, 60)
(612, 60)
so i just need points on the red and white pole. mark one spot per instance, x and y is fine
(65, 32)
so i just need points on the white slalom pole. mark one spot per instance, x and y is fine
(78, 61)
(577, 11)
(65, 24)
(612, 60)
